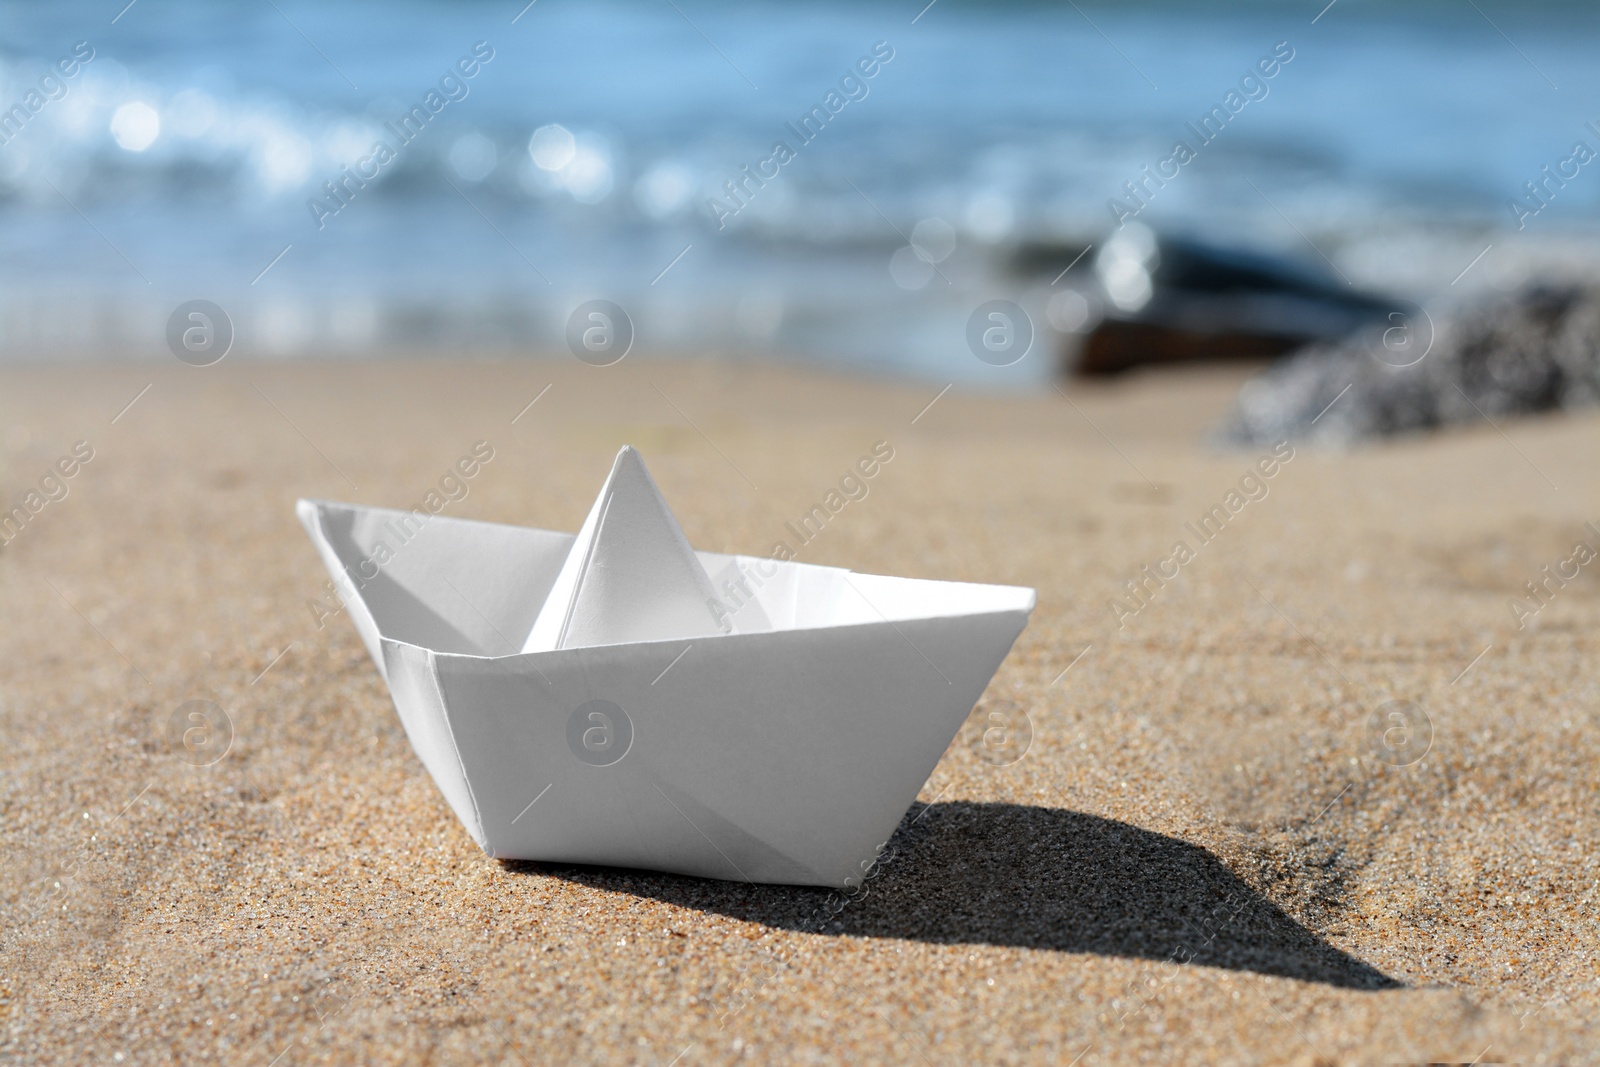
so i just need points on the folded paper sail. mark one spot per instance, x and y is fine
(617, 698)
(630, 575)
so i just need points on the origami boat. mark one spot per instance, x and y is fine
(614, 697)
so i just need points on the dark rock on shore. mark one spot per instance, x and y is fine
(1537, 350)
(1176, 300)
(1165, 298)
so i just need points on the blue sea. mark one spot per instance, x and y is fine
(535, 157)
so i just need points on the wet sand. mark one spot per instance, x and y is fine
(1207, 852)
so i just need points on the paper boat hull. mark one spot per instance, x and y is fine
(787, 755)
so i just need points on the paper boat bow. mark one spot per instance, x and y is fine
(617, 698)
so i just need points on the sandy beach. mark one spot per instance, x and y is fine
(1206, 853)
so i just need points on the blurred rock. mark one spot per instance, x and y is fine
(1537, 350)
(1164, 299)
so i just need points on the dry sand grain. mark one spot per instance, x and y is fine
(1204, 856)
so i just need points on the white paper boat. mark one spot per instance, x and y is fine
(617, 698)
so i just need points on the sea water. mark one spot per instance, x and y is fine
(840, 183)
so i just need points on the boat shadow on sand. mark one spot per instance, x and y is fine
(1031, 877)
